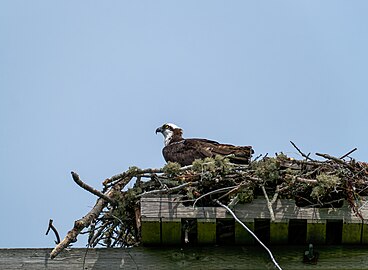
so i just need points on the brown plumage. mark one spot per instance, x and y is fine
(185, 151)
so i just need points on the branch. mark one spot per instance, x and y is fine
(304, 155)
(252, 233)
(90, 189)
(166, 190)
(54, 230)
(269, 204)
(213, 192)
(348, 153)
(304, 180)
(337, 160)
(85, 221)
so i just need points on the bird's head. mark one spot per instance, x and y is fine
(170, 132)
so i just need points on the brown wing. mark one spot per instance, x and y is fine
(240, 154)
(186, 151)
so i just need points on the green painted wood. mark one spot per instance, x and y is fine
(171, 232)
(151, 232)
(351, 233)
(279, 232)
(316, 231)
(365, 232)
(206, 231)
(242, 236)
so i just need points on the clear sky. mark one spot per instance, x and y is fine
(84, 85)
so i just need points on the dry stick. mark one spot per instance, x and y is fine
(337, 160)
(304, 155)
(252, 233)
(85, 221)
(348, 153)
(51, 226)
(126, 174)
(79, 225)
(269, 204)
(234, 190)
(93, 241)
(167, 190)
(304, 180)
(90, 189)
(212, 192)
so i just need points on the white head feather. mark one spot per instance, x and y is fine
(168, 133)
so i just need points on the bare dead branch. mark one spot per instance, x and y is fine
(79, 225)
(348, 153)
(51, 226)
(167, 190)
(269, 203)
(337, 160)
(304, 155)
(90, 189)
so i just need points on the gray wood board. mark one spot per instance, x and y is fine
(284, 209)
(289, 257)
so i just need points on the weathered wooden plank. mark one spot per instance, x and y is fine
(283, 209)
(288, 257)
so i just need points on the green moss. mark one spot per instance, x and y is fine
(326, 183)
(246, 196)
(204, 165)
(172, 169)
(268, 169)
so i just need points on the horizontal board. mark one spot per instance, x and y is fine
(255, 257)
(284, 209)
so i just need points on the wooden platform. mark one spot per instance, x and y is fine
(163, 219)
(240, 257)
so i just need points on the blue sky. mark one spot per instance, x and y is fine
(84, 85)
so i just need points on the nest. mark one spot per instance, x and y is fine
(115, 219)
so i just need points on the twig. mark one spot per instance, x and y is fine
(167, 190)
(212, 192)
(252, 233)
(304, 180)
(92, 241)
(337, 160)
(90, 189)
(51, 226)
(257, 157)
(129, 173)
(304, 155)
(269, 204)
(79, 225)
(85, 221)
(242, 184)
(348, 153)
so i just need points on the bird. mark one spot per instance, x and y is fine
(310, 256)
(185, 151)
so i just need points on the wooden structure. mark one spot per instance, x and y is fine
(237, 257)
(166, 221)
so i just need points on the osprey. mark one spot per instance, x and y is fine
(185, 151)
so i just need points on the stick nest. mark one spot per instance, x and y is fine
(311, 183)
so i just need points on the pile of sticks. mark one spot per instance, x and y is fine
(114, 221)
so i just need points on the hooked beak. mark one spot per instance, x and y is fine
(159, 130)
